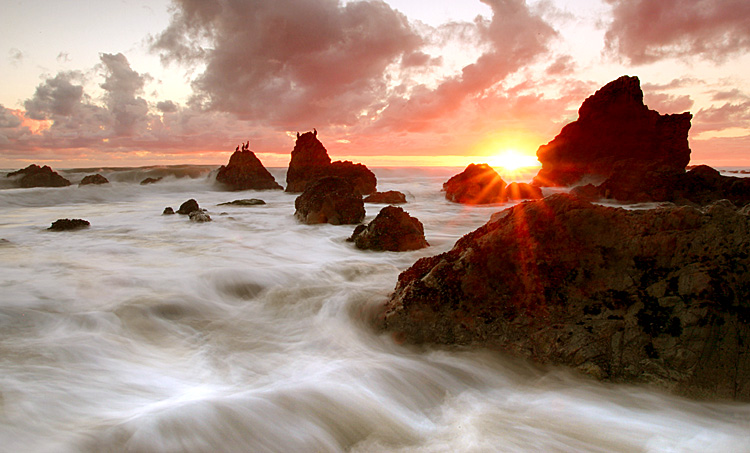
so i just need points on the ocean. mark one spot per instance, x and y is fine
(251, 333)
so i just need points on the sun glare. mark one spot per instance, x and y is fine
(512, 160)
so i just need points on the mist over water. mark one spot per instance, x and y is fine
(250, 333)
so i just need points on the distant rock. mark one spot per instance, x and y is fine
(168, 211)
(150, 181)
(522, 191)
(189, 206)
(69, 224)
(199, 216)
(330, 200)
(477, 184)
(36, 176)
(93, 179)
(658, 296)
(310, 162)
(245, 172)
(243, 202)
(613, 126)
(393, 229)
(389, 197)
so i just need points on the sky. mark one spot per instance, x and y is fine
(385, 83)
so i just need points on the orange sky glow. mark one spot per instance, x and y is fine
(394, 83)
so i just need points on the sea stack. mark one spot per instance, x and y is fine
(36, 176)
(246, 172)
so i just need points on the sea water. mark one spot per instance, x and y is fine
(152, 333)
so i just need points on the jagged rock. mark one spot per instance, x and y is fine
(69, 224)
(189, 206)
(614, 125)
(168, 211)
(658, 296)
(389, 197)
(244, 202)
(199, 216)
(93, 179)
(36, 176)
(522, 191)
(150, 181)
(703, 185)
(310, 162)
(393, 229)
(330, 200)
(477, 184)
(245, 172)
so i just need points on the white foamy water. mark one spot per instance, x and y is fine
(151, 333)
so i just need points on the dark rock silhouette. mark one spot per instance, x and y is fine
(36, 176)
(657, 296)
(69, 224)
(244, 202)
(199, 216)
(389, 197)
(150, 181)
(393, 229)
(93, 179)
(330, 200)
(168, 211)
(245, 172)
(522, 191)
(477, 184)
(310, 162)
(189, 206)
(614, 125)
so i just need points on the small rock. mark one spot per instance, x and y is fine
(168, 211)
(68, 224)
(189, 206)
(150, 181)
(389, 197)
(243, 202)
(199, 216)
(93, 179)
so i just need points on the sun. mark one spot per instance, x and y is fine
(512, 160)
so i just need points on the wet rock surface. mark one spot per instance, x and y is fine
(330, 200)
(93, 179)
(477, 184)
(393, 229)
(388, 197)
(36, 176)
(69, 224)
(244, 202)
(189, 206)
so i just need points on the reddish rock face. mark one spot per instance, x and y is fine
(36, 176)
(330, 200)
(652, 296)
(246, 172)
(393, 229)
(310, 162)
(477, 184)
(614, 125)
(389, 197)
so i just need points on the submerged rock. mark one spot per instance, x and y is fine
(389, 197)
(93, 179)
(656, 296)
(150, 181)
(245, 172)
(36, 176)
(189, 206)
(199, 216)
(69, 224)
(330, 200)
(243, 202)
(393, 229)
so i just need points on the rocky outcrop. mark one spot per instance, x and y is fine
(613, 126)
(389, 197)
(310, 162)
(36, 176)
(393, 229)
(93, 179)
(330, 200)
(189, 206)
(69, 224)
(245, 172)
(243, 202)
(477, 184)
(657, 296)
(522, 191)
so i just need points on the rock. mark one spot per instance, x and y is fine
(477, 184)
(244, 202)
(658, 296)
(199, 216)
(189, 206)
(330, 200)
(36, 176)
(150, 181)
(69, 224)
(614, 125)
(245, 172)
(93, 179)
(393, 229)
(389, 197)
(168, 211)
(310, 162)
(703, 185)
(522, 191)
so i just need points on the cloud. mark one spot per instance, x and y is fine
(15, 56)
(727, 116)
(121, 86)
(644, 31)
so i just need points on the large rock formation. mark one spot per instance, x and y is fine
(393, 229)
(245, 172)
(36, 176)
(477, 184)
(310, 162)
(93, 179)
(330, 200)
(614, 125)
(658, 296)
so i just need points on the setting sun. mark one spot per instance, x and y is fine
(512, 160)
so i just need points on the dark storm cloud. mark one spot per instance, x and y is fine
(644, 31)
